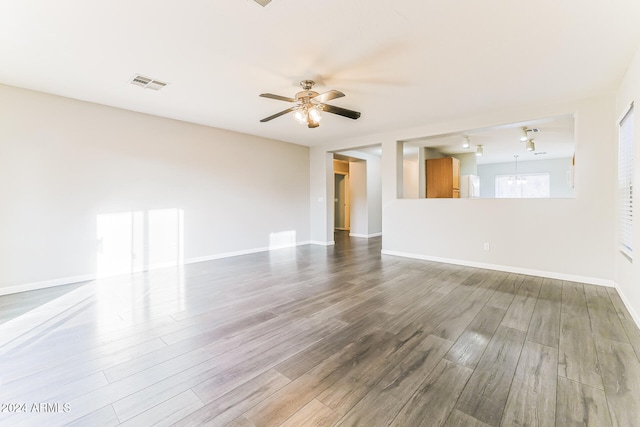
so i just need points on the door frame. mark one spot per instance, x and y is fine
(347, 204)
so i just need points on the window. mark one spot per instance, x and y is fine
(528, 185)
(625, 182)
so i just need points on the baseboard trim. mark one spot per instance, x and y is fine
(508, 269)
(46, 284)
(630, 309)
(88, 277)
(365, 236)
(318, 242)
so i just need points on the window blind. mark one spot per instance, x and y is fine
(625, 183)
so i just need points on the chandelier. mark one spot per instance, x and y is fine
(518, 179)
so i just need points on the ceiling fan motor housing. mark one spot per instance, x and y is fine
(307, 84)
(306, 95)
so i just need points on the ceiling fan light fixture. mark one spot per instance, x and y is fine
(314, 115)
(309, 105)
(524, 137)
(300, 116)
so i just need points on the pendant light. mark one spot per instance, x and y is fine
(518, 179)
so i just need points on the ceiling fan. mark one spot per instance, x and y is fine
(309, 104)
(263, 3)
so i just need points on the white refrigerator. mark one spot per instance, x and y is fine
(469, 186)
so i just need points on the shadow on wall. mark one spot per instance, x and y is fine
(131, 242)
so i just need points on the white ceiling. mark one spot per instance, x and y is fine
(401, 63)
(554, 139)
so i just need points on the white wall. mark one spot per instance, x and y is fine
(571, 239)
(374, 195)
(411, 179)
(565, 238)
(468, 163)
(557, 168)
(358, 196)
(627, 274)
(72, 172)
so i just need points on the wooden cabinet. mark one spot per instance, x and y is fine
(443, 178)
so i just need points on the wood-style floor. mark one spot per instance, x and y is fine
(320, 336)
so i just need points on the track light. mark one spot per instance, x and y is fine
(479, 150)
(530, 145)
(467, 142)
(524, 135)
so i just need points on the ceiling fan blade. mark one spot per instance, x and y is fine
(328, 96)
(276, 115)
(262, 3)
(340, 111)
(278, 97)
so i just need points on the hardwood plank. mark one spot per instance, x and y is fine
(506, 291)
(574, 301)
(387, 397)
(578, 359)
(460, 419)
(233, 404)
(581, 405)
(292, 397)
(241, 422)
(362, 376)
(285, 402)
(314, 414)
(98, 398)
(432, 403)
(520, 311)
(605, 323)
(485, 395)
(532, 398)
(217, 376)
(621, 377)
(167, 412)
(308, 334)
(468, 349)
(212, 332)
(630, 327)
(105, 417)
(301, 362)
(459, 318)
(545, 322)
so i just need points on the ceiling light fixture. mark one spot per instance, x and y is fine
(524, 134)
(479, 150)
(518, 179)
(308, 114)
(530, 145)
(467, 142)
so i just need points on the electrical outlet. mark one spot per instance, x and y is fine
(486, 246)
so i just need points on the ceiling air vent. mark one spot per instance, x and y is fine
(147, 83)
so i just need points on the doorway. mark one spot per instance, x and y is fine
(341, 194)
